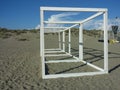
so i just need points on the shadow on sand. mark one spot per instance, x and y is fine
(94, 56)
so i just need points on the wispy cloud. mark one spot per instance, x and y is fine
(92, 24)
(60, 17)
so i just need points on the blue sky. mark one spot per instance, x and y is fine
(24, 14)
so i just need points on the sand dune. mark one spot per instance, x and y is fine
(20, 66)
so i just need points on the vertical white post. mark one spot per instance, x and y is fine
(59, 37)
(63, 40)
(41, 32)
(81, 42)
(69, 41)
(42, 43)
(105, 16)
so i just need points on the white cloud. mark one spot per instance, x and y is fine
(37, 27)
(113, 22)
(98, 24)
(92, 24)
(60, 17)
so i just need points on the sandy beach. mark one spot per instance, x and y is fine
(20, 65)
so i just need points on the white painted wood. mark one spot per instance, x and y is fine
(69, 41)
(76, 23)
(67, 75)
(73, 9)
(54, 31)
(69, 27)
(59, 39)
(52, 49)
(54, 55)
(62, 22)
(91, 17)
(81, 42)
(42, 43)
(56, 27)
(94, 66)
(61, 61)
(105, 24)
(63, 41)
(99, 11)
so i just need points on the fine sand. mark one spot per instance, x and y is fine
(20, 64)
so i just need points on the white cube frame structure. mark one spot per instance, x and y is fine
(43, 51)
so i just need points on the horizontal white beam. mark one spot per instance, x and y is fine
(54, 55)
(70, 27)
(57, 31)
(58, 61)
(91, 17)
(73, 9)
(55, 27)
(62, 22)
(73, 74)
(52, 49)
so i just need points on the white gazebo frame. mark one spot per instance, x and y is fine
(43, 51)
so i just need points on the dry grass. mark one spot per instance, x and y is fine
(20, 35)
